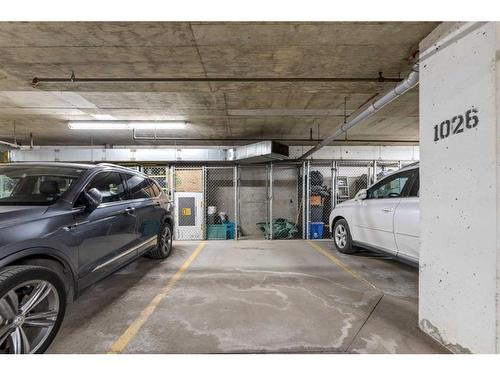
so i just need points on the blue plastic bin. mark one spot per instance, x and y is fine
(316, 230)
(216, 232)
(230, 230)
(220, 231)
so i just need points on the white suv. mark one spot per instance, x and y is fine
(384, 217)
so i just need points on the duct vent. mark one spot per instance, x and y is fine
(260, 152)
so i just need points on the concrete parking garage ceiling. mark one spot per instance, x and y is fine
(213, 110)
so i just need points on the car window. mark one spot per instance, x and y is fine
(36, 185)
(391, 187)
(152, 189)
(156, 188)
(110, 185)
(140, 187)
(415, 187)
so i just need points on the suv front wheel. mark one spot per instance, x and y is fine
(32, 307)
(342, 237)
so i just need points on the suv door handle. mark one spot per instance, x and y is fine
(387, 209)
(129, 210)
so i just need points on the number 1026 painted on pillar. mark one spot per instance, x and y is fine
(457, 124)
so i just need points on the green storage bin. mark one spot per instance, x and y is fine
(216, 232)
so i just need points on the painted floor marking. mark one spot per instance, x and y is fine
(341, 264)
(121, 343)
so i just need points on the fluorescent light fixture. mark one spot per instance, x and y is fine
(126, 125)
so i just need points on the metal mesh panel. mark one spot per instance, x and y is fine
(189, 197)
(253, 202)
(383, 168)
(220, 213)
(286, 201)
(351, 178)
(159, 173)
(320, 195)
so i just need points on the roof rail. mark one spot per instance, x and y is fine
(120, 167)
(109, 165)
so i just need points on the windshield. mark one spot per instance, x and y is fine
(35, 185)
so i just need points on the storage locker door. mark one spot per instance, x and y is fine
(189, 216)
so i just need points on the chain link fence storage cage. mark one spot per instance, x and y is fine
(220, 203)
(253, 202)
(320, 180)
(159, 173)
(286, 204)
(189, 202)
(351, 178)
(262, 201)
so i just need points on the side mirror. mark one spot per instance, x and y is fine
(93, 198)
(360, 195)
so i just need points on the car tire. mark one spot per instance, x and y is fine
(57, 268)
(342, 237)
(164, 246)
(32, 308)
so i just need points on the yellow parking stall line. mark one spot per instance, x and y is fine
(121, 343)
(341, 264)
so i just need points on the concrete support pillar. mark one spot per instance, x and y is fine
(460, 187)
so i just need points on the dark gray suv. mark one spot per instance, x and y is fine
(62, 228)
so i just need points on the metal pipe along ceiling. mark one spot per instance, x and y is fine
(407, 84)
(9, 145)
(74, 79)
(155, 137)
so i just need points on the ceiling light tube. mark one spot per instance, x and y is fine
(125, 125)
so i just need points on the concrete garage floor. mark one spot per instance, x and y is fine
(251, 296)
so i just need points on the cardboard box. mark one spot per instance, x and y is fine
(316, 200)
(189, 180)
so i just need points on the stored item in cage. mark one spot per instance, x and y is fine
(282, 229)
(316, 200)
(316, 230)
(223, 217)
(316, 178)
